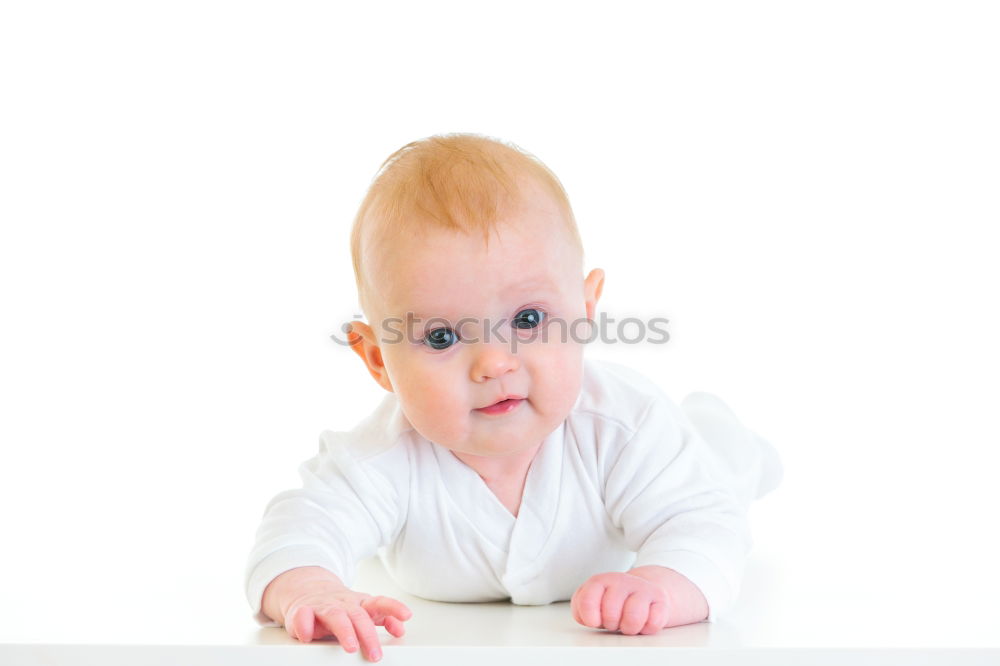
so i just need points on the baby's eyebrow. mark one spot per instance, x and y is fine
(541, 288)
(423, 317)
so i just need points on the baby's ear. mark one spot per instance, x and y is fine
(592, 287)
(362, 340)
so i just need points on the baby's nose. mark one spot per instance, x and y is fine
(493, 360)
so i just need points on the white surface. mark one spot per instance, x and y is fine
(488, 656)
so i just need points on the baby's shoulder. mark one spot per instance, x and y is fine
(383, 430)
(618, 394)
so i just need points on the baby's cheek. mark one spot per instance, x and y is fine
(563, 376)
(435, 414)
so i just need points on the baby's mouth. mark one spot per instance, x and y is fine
(502, 406)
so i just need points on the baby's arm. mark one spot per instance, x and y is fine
(690, 533)
(310, 540)
(312, 602)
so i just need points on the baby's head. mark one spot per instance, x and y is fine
(465, 251)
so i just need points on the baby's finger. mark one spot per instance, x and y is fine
(371, 647)
(589, 603)
(574, 607)
(299, 623)
(611, 606)
(657, 618)
(341, 627)
(387, 606)
(394, 626)
(635, 612)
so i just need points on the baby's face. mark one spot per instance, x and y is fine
(475, 331)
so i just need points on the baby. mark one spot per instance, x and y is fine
(502, 464)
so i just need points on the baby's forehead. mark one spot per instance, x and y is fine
(499, 255)
(429, 290)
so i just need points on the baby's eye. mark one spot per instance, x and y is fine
(528, 318)
(440, 338)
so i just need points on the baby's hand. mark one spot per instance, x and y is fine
(620, 602)
(316, 606)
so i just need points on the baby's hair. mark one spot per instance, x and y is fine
(459, 181)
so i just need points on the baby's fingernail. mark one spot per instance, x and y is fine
(376, 655)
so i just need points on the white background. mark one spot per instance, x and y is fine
(808, 191)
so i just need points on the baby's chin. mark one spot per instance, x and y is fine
(492, 449)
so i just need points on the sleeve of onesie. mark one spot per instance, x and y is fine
(347, 508)
(665, 493)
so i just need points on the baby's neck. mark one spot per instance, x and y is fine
(500, 469)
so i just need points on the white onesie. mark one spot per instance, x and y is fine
(626, 480)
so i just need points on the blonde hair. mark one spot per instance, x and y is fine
(459, 181)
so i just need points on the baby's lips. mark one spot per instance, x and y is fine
(507, 396)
